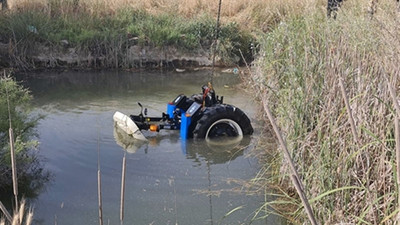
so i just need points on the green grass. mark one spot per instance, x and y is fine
(111, 34)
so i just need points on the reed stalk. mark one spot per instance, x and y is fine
(99, 185)
(5, 212)
(349, 111)
(121, 215)
(12, 149)
(99, 197)
(14, 167)
(295, 176)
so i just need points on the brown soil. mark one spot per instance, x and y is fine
(45, 57)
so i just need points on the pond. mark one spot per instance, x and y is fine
(168, 180)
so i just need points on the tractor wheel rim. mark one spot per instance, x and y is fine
(224, 127)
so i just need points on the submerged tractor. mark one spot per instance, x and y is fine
(200, 116)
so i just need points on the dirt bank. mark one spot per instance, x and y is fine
(135, 56)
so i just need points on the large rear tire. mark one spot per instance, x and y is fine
(222, 121)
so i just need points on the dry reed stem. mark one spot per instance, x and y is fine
(21, 211)
(99, 197)
(19, 214)
(5, 212)
(29, 218)
(13, 161)
(349, 111)
(121, 216)
(13, 166)
(99, 185)
(295, 176)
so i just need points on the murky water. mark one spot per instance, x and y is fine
(168, 181)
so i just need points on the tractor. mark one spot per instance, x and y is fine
(200, 116)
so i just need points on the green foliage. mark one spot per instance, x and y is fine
(158, 30)
(15, 101)
(24, 27)
(202, 29)
(19, 100)
(235, 44)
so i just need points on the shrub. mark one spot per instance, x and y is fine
(31, 176)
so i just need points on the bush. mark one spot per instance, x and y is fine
(31, 176)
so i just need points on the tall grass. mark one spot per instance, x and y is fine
(350, 175)
(251, 14)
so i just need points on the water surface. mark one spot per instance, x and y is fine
(168, 180)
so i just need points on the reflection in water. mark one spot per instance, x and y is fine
(220, 153)
(127, 142)
(32, 179)
(217, 151)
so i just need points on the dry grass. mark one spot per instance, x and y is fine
(20, 217)
(348, 170)
(252, 14)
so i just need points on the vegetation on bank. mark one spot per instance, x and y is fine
(308, 66)
(92, 28)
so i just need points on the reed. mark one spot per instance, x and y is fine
(340, 133)
(296, 182)
(12, 150)
(20, 217)
(99, 192)
(123, 175)
(5, 212)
